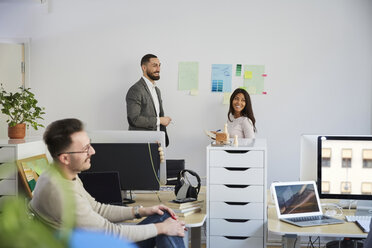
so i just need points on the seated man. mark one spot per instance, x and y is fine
(70, 148)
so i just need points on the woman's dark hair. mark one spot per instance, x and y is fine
(57, 135)
(247, 111)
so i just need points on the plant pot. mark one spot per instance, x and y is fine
(17, 132)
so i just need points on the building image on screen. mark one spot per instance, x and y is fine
(345, 166)
(294, 199)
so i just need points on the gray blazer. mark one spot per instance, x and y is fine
(141, 113)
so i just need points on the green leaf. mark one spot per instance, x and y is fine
(21, 106)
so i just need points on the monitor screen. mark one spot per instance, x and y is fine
(345, 167)
(297, 198)
(133, 136)
(137, 163)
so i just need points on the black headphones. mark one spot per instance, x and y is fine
(183, 189)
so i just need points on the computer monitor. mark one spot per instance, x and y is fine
(308, 157)
(345, 168)
(122, 136)
(137, 163)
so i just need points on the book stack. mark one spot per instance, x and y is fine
(185, 209)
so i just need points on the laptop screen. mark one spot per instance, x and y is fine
(296, 199)
(103, 186)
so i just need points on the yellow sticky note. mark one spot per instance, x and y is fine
(226, 98)
(248, 75)
(194, 92)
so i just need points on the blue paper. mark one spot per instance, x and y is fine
(221, 77)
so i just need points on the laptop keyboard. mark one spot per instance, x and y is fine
(308, 218)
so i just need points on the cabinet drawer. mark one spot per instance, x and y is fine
(232, 194)
(236, 242)
(7, 154)
(8, 187)
(245, 176)
(229, 210)
(235, 158)
(8, 171)
(226, 227)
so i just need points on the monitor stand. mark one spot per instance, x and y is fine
(127, 197)
(364, 207)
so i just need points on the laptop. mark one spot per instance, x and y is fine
(103, 186)
(298, 203)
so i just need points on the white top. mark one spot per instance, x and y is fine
(241, 126)
(155, 98)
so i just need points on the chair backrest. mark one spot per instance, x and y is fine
(174, 167)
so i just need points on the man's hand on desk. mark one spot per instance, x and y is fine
(171, 227)
(159, 209)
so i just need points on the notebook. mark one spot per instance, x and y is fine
(103, 186)
(298, 203)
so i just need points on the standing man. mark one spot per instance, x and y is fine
(71, 150)
(144, 104)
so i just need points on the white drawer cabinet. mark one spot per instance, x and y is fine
(236, 198)
(244, 176)
(10, 151)
(235, 242)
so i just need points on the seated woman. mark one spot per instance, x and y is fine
(241, 121)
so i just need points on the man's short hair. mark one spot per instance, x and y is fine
(145, 59)
(57, 135)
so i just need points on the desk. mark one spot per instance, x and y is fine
(193, 221)
(290, 232)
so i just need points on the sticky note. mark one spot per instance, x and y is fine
(194, 92)
(226, 98)
(248, 75)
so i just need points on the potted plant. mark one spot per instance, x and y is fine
(21, 109)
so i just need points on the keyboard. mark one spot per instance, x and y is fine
(308, 218)
(353, 218)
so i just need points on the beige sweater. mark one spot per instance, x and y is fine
(48, 202)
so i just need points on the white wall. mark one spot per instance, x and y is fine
(318, 55)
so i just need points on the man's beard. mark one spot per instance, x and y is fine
(153, 77)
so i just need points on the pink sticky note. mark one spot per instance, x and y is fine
(264, 93)
(264, 75)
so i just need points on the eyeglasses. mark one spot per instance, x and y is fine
(86, 150)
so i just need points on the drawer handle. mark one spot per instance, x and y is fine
(235, 168)
(237, 151)
(236, 186)
(237, 203)
(236, 237)
(236, 220)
